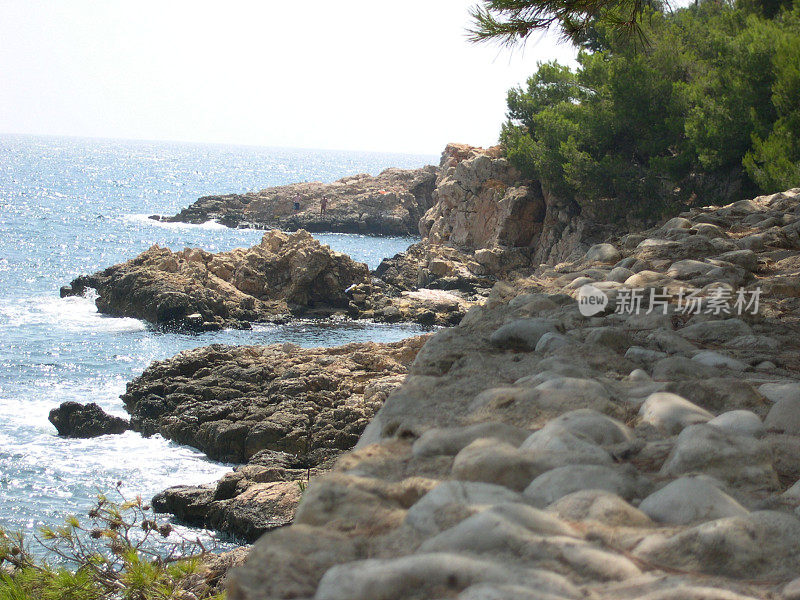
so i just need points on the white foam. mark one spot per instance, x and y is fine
(76, 313)
(142, 219)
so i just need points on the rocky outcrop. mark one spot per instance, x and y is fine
(76, 420)
(389, 204)
(541, 449)
(192, 288)
(488, 224)
(232, 402)
(247, 502)
(284, 411)
(482, 202)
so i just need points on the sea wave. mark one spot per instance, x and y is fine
(76, 313)
(143, 219)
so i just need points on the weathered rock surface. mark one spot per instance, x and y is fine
(200, 290)
(388, 204)
(676, 491)
(284, 411)
(72, 419)
(234, 401)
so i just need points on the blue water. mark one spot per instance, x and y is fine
(73, 206)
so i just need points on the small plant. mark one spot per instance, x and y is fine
(119, 552)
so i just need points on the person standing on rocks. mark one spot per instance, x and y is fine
(323, 206)
(296, 202)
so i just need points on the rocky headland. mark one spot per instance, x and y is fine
(284, 274)
(391, 203)
(484, 224)
(281, 412)
(539, 451)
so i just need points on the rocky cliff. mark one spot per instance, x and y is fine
(552, 449)
(388, 204)
(487, 224)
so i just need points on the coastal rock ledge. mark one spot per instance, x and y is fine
(283, 413)
(391, 203)
(537, 451)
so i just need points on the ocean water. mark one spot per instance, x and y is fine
(72, 206)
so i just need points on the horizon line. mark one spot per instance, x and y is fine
(208, 143)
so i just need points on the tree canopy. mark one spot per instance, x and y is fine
(707, 111)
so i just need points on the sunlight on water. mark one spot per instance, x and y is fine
(69, 207)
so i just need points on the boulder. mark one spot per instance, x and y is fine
(602, 253)
(671, 413)
(784, 416)
(601, 506)
(732, 458)
(718, 332)
(522, 334)
(76, 420)
(762, 545)
(492, 461)
(451, 440)
(557, 483)
(452, 501)
(744, 422)
(690, 500)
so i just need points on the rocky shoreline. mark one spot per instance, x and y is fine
(390, 203)
(537, 452)
(616, 414)
(484, 224)
(281, 412)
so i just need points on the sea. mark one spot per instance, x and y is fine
(70, 206)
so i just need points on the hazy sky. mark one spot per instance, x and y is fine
(348, 74)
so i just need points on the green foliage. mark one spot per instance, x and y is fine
(511, 22)
(708, 111)
(114, 555)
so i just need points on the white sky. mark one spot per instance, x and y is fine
(347, 74)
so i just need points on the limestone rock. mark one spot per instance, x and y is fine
(491, 461)
(233, 401)
(730, 457)
(744, 422)
(761, 545)
(390, 203)
(690, 500)
(284, 273)
(557, 483)
(522, 334)
(784, 416)
(601, 506)
(451, 440)
(602, 253)
(671, 413)
(452, 501)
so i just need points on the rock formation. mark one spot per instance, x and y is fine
(389, 204)
(192, 288)
(76, 420)
(488, 224)
(284, 411)
(539, 451)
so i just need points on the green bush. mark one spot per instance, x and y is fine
(707, 111)
(120, 552)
